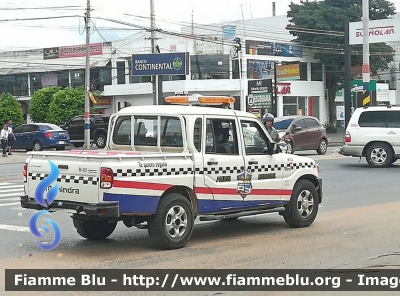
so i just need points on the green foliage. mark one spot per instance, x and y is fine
(66, 104)
(40, 102)
(10, 108)
(332, 15)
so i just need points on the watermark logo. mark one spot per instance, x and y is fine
(40, 199)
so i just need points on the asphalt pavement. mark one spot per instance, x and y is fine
(357, 227)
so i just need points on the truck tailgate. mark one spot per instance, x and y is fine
(77, 178)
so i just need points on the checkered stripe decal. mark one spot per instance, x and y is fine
(68, 179)
(150, 172)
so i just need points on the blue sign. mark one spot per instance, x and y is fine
(160, 64)
(39, 197)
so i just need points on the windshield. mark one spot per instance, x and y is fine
(282, 124)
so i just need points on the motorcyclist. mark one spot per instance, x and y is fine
(268, 120)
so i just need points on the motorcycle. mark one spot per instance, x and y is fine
(283, 145)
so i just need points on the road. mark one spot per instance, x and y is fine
(357, 227)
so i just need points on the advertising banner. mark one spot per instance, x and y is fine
(160, 64)
(260, 100)
(254, 47)
(257, 69)
(71, 51)
(260, 86)
(288, 72)
(379, 31)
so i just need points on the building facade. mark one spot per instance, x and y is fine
(212, 69)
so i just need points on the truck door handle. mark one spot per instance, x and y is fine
(253, 162)
(211, 162)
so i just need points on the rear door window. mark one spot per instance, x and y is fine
(373, 119)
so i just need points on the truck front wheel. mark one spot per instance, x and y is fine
(303, 205)
(172, 224)
(95, 229)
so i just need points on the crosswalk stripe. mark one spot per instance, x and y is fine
(11, 198)
(11, 194)
(1, 184)
(11, 190)
(11, 186)
(14, 228)
(9, 204)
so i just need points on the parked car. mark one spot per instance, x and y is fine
(373, 133)
(302, 133)
(38, 136)
(98, 129)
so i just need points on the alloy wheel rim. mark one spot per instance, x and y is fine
(176, 222)
(378, 155)
(305, 204)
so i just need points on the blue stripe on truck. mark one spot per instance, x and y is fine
(134, 203)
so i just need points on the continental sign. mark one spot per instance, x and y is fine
(288, 72)
(160, 64)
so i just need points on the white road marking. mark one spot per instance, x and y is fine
(9, 204)
(11, 198)
(15, 228)
(1, 184)
(11, 194)
(10, 190)
(11, 186)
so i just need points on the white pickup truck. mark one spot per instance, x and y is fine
(164, 166)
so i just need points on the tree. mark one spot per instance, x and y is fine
(10, 108)
(319, 26)
(40, 102)
(67, 103)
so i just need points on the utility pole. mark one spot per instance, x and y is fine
(365, 68)
(347, 76)
(153, 48)
(87, 78)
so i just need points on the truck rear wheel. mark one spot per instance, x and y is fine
(303, 205)
(172, 224)
(95, 229)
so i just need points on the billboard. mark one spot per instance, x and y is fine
(254, 47)
(379, 31)
(260, 94)
(260, 86)
(160, 64)
(288, 72)
(71, 51)
(257, 69)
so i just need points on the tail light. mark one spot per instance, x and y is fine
(347, 137)
(25, 172)
(106, 178)
(49, 135)
(67, 135)
(318, 169)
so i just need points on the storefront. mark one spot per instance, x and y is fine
(103, 106)
(302, 98)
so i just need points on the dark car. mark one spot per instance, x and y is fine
(98, 129)
(302, 133)
(37, 136)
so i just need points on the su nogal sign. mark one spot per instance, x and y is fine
(379, 31)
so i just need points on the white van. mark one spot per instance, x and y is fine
(374, 133)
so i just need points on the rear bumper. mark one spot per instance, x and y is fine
(320, 192)
(348, 150)
(101, 209)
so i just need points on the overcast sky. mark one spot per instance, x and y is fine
(20, 35)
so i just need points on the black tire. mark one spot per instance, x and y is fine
(60, 148)
(158, 223)
(379, 155)
(95, 229)
(78, 144)
(101, 140)
(305, 190)
(323, 147)
(37, 146)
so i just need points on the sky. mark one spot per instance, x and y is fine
(69, 30)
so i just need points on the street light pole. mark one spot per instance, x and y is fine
(153, 48)
(87, 78)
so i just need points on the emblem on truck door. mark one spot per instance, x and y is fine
(244, 185)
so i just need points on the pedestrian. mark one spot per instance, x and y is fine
(11, 136)
(4, 139)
